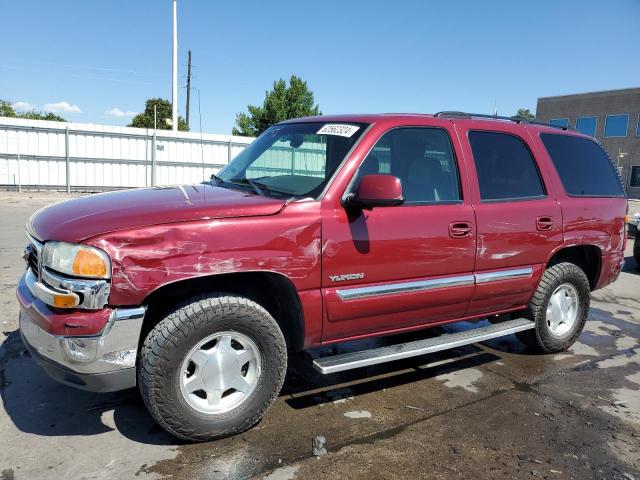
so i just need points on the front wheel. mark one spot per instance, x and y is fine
(559, 308)
(212, 367)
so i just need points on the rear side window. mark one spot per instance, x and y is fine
(506, 169)
(583, 166)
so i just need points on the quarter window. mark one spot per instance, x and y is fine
(634, 181)
(587, 125)
(506, 169)
(616, 125)
(638, 126)
(422, 158)
(559, 122)
(583, 166)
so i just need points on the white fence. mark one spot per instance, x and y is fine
(74, 156)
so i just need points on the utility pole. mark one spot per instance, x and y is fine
(153, 146)
(188, 85)
(174, 93)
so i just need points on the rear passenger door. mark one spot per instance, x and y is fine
(519, 221)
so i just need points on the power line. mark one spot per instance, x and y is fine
(87, 67)
(87, 77)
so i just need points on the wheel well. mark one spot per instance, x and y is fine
(272, 291)
(587, 257)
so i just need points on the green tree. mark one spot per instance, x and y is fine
(163, 112)
(524, 114)
(34, 115)
(7, 110)
(281, 103)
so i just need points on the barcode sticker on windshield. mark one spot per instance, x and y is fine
(338, 129)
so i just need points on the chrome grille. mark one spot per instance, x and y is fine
(32, 253)
(32, 259)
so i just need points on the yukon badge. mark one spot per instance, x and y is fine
(346, 276)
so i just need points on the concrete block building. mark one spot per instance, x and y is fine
(612, 117)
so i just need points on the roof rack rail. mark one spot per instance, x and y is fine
(454, 114)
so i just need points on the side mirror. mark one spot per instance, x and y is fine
(377, 191)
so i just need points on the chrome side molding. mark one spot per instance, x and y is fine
(503, 274)
(404, 287)
(430, 284)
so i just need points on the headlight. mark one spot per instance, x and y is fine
(76, 260)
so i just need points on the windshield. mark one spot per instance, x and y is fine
(293, 160)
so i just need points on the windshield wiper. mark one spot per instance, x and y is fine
(260, 187)
(216, 179)
(247, 181)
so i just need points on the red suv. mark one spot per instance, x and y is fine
(323, 230)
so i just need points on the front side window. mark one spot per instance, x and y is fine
(559, 122)
(583, 166)
(616, 125)
(422, 158)
(505, 167)
(587, 125)
(292, 160)
(634, 181)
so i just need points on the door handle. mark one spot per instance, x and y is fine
(460, 229)
(544, 223)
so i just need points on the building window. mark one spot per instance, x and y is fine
(559, 122)
(616, 125)
(587, 125)
(634, 181)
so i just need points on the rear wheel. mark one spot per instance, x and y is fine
(212, 367)
(559, 309)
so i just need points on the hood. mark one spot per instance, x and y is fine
(78, 219)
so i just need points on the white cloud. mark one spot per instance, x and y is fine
(65, 107)
(23, 106)
(116, 112)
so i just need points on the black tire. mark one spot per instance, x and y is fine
(636, 250)
(168, 343)
(540, 339)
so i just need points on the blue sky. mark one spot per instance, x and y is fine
(86, 58)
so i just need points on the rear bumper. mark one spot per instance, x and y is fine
(103, 362)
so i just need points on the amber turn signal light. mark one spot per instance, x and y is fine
(62, 300)
(89, 264)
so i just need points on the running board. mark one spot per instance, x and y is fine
(363, 358)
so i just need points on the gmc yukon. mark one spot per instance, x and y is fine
(323, 230)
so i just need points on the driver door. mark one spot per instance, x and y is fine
(396, 267)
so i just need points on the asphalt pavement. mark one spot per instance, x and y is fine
(491, 410)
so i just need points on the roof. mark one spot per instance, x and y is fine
(602, 93)
(453, 117)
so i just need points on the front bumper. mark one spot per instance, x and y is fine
(103, 362)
